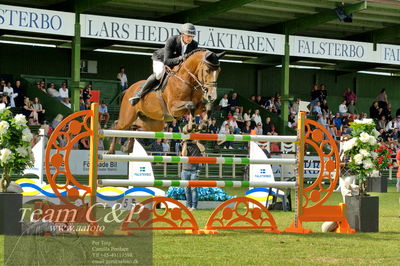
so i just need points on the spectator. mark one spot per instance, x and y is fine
(323, 92)
(317, 109)
(294, 109)
(87, 104)
(157, 147)
(270, 105)
(247, 116)
(259, 100)
(325, 107)
(86, 93)
(43, 86)
(315, 93)
(9, 91)
(29, 112)
(165, 145)
(338, 122)
(267, 126)
(224, 103)
(64, 94)
(382, 98)
(331, 124)
(292, 121)
(212, 128)
(53, 92)
(388, 112)
(374, 111)
(253, 98)
(20, 92)
(226, 144)
(239, 118)
(38, 108)
(278, 105)
(121, 76)
(190, 171)
(2, 85)
(259, 129)
(233, 125)
(103, 113)
(256, 117)
(323, 120)
(343, 108)
(394, 135)
(247, 128)
(4, 100)
(234, 102)
(57, 120)
(82, 105)
(381, 123)
(351, 108)
(273, 132)
(390, 126)
(349, 96)
(174, 127)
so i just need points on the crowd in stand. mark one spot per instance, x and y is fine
(338, 124)
(230, 117)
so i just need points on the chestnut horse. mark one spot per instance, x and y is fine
(191, 89)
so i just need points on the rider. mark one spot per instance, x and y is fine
(172, 54)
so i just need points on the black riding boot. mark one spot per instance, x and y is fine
(147, 85)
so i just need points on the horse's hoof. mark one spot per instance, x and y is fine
(110, 152)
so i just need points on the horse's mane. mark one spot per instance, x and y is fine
(195, 51)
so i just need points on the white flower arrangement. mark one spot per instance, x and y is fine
(15, 145)
(360, 150)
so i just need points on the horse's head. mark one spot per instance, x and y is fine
(207, 73)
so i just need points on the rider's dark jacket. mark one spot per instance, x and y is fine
(170, 53)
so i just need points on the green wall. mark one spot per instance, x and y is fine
(16, 60)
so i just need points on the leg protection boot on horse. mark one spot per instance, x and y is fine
(146, 87)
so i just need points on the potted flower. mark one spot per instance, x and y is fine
(360, 151)
(382, 161)
(15, 155)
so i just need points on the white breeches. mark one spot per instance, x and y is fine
(158, 69)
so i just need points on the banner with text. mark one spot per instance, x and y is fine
(36, 20)
(133, 30)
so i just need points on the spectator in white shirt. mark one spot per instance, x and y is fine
(223, 103)
(165, 146)
(256, 117)
(64, 91)
(343, 108)
(121, 76)
(9, 91)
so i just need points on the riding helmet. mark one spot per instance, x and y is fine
(188, 29)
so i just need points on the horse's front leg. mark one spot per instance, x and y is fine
(181, 108)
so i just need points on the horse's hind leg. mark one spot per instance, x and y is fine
(123, 123)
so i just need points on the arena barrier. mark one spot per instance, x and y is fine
(246, 213)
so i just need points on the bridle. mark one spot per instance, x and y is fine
(201, 84)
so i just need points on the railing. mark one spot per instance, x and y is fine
(173, 170)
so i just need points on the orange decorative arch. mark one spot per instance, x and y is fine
(242, 216)
(144, 216)
(310, 198)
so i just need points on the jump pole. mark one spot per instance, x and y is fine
(189, 159)
(196, 183)
(180, 136)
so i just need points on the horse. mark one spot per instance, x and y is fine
(191, 89)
